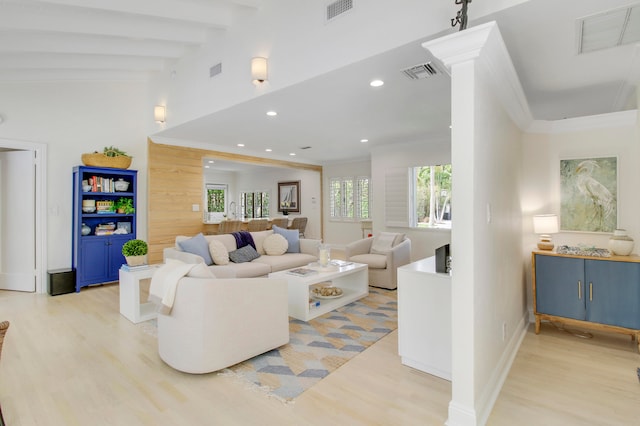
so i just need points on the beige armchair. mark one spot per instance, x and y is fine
(383, 261)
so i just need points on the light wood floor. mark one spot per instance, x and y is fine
(73, 360)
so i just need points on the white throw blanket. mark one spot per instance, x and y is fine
(164, 284)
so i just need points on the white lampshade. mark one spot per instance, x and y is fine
(258, 70)
(545, 224)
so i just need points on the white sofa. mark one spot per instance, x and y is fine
(216, 323)
(259, 267)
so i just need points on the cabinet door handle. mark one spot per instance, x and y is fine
(579, 290)
(590, 292)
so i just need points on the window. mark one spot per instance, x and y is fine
(254, 204)
(349, 198)
(216, 201)
(432, 196)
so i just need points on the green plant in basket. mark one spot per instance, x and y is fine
(112, 151)
(124, 205)
(135, 248)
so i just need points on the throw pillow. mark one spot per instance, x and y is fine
(275, 245)
(197, 245)
(200, 270)
(382, 243)
(258, 239)
(244, 254)
(291, 235)
(218, 252)
(398, 239)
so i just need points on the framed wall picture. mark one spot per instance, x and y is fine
(589, 194)
(289, 197)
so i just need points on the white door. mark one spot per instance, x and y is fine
(17, 221)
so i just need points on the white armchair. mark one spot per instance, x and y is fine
(216, 323)
(382, 264)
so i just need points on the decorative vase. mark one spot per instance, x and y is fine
(121, 185)
(86, 230)
(136, 260)
(324, 255)
(620, 243)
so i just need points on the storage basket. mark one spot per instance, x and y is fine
(98, 159)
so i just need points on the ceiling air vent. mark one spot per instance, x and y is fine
(215, 70)
(417, 72)
(338, 8)
(305, 147)
(608, 29)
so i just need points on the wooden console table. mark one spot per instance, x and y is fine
(600, 293)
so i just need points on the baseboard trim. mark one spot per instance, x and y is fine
(462, 415)
(491, 392)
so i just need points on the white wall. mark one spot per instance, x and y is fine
(309, 193)
(266, 179)
(299, 45)
(72, 118)
(596, 136)
(405, 155)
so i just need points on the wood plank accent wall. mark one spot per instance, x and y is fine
(175, 183)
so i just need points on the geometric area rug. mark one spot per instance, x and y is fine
(318, 347)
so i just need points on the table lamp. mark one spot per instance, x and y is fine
(545, 225)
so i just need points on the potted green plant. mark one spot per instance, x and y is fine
(135, 251)
(124, 205)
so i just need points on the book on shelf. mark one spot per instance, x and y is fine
(128, 268)
(302, 272)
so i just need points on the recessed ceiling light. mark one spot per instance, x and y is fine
(210, 161)
(292, 153)
(240, 144)
(206, 167)
(272, 113)
(376, 83)
(268, 150)
(364, 140)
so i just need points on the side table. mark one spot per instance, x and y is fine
(130, 306)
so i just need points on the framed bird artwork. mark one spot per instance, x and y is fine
(589, 194)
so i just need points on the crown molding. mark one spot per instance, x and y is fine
(485, 44)
(592, 122)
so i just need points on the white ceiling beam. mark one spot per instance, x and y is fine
(211, 15)
(86, 62)
(73, 21)
(72, 75)
(65, 43)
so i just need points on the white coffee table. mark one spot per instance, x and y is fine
(352, 279)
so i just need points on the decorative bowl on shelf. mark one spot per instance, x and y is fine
(86, 188)
(88, 209)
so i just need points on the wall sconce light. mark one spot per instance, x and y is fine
(259, 70)
(159, 113)
(545, 225)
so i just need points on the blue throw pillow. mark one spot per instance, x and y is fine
(197, 245)
(291, 235)
(243, 254)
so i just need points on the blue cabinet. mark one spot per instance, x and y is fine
(601, 293)
(97, 254)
